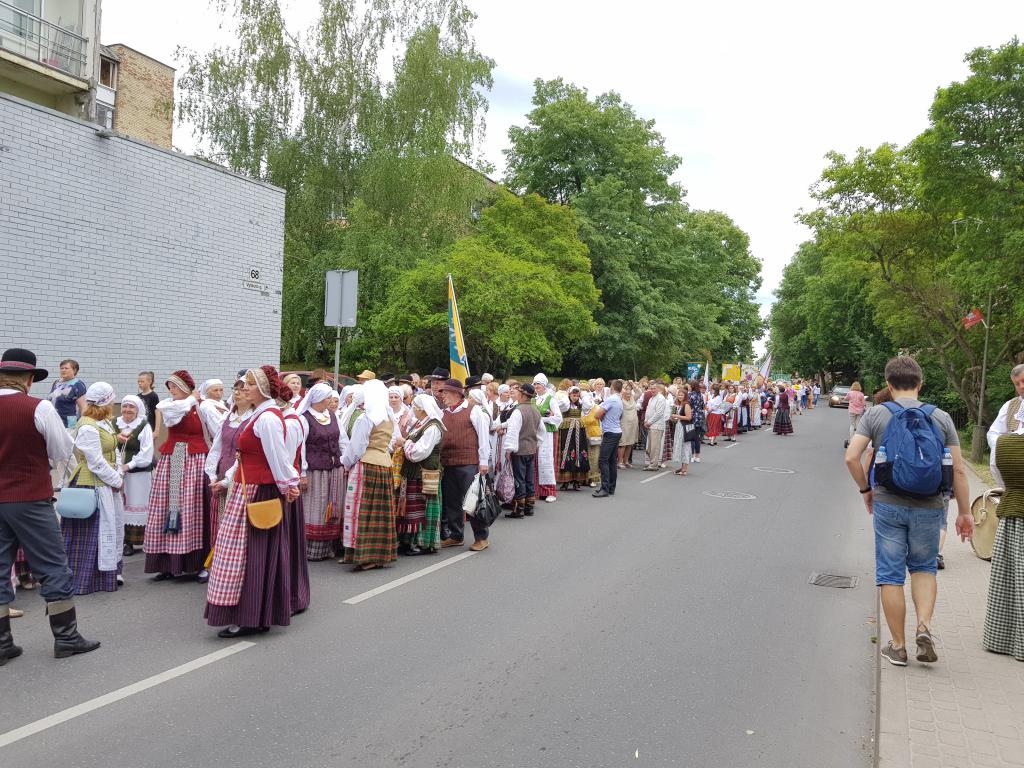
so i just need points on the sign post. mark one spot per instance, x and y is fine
(341, 298)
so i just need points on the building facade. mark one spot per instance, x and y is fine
(135, 95)
(50, 53)
(127, 257)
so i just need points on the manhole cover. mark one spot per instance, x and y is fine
(775, 470)
(831, 580)
(729, 495)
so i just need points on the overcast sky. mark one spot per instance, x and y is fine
(750, 94)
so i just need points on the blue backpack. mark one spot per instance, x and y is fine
(914, 447)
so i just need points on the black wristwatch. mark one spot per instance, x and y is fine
(866, 490)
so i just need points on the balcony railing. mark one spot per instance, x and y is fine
(34, 38)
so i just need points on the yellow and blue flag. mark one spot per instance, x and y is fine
(457, 361)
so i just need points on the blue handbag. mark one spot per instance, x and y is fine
(76, 503)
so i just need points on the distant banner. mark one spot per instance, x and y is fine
(693, 371)
(750, 373)
(782, 377)
(732, 372)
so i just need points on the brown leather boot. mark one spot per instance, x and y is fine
(528, 507)
(517, 509)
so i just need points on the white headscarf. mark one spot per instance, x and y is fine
(207, 384)
(316, 394)
(375, 397)
(99, 393)
(478, 396)
(426, 403)
(139, 417)
(540, 378)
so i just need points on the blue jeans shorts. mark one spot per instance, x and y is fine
(906, 539)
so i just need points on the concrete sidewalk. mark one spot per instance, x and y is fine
(967, 709)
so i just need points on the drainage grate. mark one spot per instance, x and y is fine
(831, 580)
(730, 495)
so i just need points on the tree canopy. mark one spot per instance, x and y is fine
(908, 239)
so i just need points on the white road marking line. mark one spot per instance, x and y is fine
(406, 579)
(732, 446)
(652, 479)
(121, 693)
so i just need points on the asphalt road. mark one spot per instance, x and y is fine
(661, 627)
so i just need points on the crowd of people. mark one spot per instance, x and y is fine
(240, 487)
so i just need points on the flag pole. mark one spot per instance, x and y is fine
(977, 440)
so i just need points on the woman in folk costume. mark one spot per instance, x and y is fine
(250, 580)
(715, 413)
(593, 429)
(135, 459)
(574, 446)
(222, 453)
(754, 404)
(321, 499)
(369, 523)
(730, 414)
(396, 409)
(783, 419)
(296, 430)
(768, 404)
(419, 514)
(212, 409)
(350, 412)
(547, 448)
(94, 544)
(178, 531)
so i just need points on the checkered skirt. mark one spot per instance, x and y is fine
(1004, 616)
(376, 539)
(193, 508)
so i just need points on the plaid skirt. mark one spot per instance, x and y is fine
(429, 534)
(82, 544)
(783, 422)
(415, 502)
(1004, 616)
(266, 596)
(666, 443)
(376, 539)
(321, 504)
(184, 551)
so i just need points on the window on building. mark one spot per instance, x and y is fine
(105, 116)
(108, 73)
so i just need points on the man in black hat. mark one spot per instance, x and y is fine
(437, 380)
(472, 382)
(32, 438)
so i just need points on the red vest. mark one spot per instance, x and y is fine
(24, 464)
(251, 456)
(459, 447)
(188, 431)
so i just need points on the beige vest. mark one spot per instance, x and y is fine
(108, 444)
(377, 450)
(1011, 415)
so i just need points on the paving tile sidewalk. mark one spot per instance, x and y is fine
(967, 709)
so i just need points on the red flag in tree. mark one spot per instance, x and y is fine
(973, 318)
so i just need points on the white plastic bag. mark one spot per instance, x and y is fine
(472, 496)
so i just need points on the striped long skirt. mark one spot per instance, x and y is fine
(783, 422)
(266, 598)
(1004, 616)
(297, 556)
(375, 537)
(321, 505)
(429, 535)
(573, 456)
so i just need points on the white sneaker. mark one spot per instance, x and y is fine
(549, 499)
(120, 580)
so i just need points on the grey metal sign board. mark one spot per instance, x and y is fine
(341, 298)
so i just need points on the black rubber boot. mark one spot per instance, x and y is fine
(64, 624)
(8, 650)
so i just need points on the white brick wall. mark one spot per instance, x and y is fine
(127, 257)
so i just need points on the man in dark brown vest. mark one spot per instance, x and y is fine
(32, 437)
(465, 451)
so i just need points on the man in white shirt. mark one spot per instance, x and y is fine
(32, 440)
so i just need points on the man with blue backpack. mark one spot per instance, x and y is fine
(916, 459)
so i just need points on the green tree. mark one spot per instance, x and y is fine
(672, 281)
(361, 140)
(524, 287)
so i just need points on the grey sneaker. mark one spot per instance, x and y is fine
(926, 646)
(895, 656)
